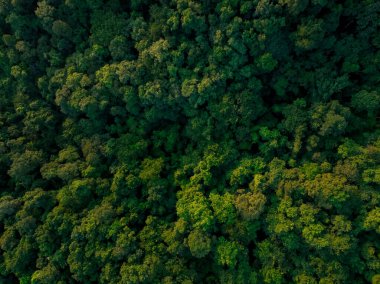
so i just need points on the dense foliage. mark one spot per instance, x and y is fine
(189, 141)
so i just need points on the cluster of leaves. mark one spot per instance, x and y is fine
(189, 141)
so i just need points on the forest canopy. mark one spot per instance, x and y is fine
(189, 141)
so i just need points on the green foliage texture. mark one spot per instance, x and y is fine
(189, 141)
